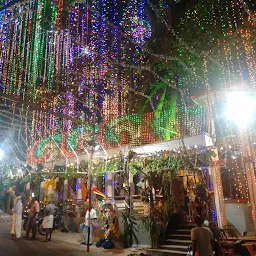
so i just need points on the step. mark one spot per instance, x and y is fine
(175, 247)
(179, 236)
(181, 231)
(190, 224)
(164, 252)
(186, 226)
(178, 242)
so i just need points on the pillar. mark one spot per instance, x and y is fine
(94, 181)
(41, 191)
(79, 191)
(248, 159)
(132, 191)
(65, 191)
(218, 190)
(131, 184)
(27, 188)
(109, 185)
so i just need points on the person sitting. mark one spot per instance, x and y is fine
(106, 242)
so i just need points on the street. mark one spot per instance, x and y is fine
(22, 247)
(63, 244)
(127, 127)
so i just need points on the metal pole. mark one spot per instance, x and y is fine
(90, 199)
(106, 156)
(90, 184)
(62, 154)
(77, 157)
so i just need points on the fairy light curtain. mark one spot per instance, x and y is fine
(223, 56)
(67, 59)
(70, 61)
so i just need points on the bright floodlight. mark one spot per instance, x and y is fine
(241, 107)
(97, 147)
(1, 154)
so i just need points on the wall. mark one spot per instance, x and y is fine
(142, 235)
(239, 215)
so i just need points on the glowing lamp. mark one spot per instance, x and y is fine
(240, 107)
(1, 154)
(97, 147)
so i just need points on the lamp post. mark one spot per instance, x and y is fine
(94, 147)
(90, 197)
(241, 106)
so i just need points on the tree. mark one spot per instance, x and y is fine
(193, 49)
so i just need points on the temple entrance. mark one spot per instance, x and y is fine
(191, 197)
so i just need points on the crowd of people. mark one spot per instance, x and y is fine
(111, 224)
(201, 236)
(32, 220)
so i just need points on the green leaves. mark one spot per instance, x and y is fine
(130, 228)
(158, 164)
(111, 166)
(84, 165)
(207, 156)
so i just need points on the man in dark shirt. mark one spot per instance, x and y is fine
(202, 239)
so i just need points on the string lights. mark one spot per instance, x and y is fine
(71, 61)
(53, 56)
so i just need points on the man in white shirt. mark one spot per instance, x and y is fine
(18, 209)
(88, 225)
(17, 217)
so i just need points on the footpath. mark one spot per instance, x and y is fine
(73, 240)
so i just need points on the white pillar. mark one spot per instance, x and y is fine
(249, 169)
(42, 191)
(218, 191)
(109, 185)
(28, 186)
(65, 192)
(94, 181)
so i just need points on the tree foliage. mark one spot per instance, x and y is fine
(186, 49)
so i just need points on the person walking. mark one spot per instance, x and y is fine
(19, 210)
(88, 225)
(33, 213)
(17, 218)
(202, 239)
(48, 221)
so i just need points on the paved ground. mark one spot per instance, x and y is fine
(63, 244)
